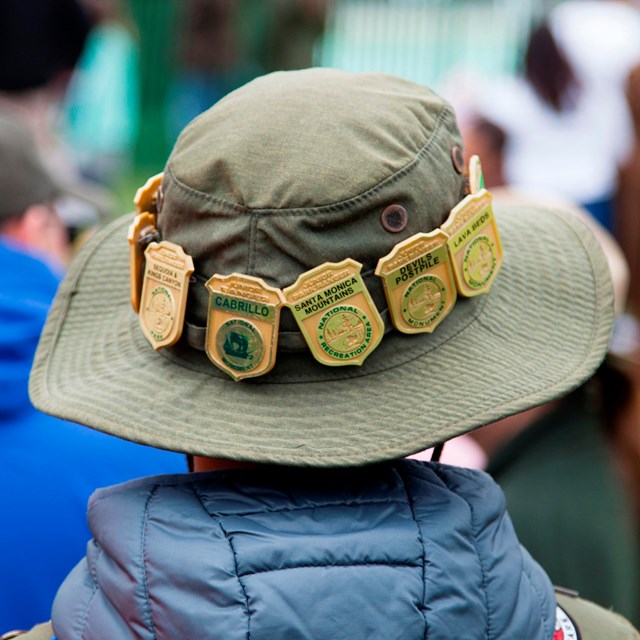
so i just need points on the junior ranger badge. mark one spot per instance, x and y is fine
(146, 198)
(243, 323)
(474, 244)
(164, 293)
(142, 225)
(418, 282)
(335, 313)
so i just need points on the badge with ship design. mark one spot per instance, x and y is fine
(335, 313)
(164, 293)
(143, 224)
(243, 323)
(474, 244)
(418, 282)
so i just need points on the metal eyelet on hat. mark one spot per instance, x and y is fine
(458, 159)
(395, 218)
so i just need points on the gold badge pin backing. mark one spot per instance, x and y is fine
(335, 313)
(242, 328)
(143, 224)
(474, 244)
(146, 196)
(164, 293)
(418, 282)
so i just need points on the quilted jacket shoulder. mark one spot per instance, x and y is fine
(407, 550)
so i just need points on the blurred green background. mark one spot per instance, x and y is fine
(427, 41)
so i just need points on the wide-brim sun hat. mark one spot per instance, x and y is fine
(294, 170)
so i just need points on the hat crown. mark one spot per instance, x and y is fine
(295, 169)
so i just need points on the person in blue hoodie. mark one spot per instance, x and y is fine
(48, 467)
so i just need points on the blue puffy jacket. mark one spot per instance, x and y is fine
(402, 551)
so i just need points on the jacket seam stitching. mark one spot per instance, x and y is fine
(474, 529)
(233, 553)
(239, 577)
(421, 540)
(331, 566)
(143, 549)
(94, 591)
(325, 505)
(537, 593)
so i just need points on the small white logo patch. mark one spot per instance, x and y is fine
(565, 629)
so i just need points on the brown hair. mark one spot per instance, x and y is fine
(548, 71)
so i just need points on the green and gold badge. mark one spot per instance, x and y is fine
(474, 244)
(335, 313)
(242, 328)
(418, 282)
(143, 224)
(164, 293)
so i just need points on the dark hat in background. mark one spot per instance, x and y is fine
(40, 40)
(23, 179)
(289, 172)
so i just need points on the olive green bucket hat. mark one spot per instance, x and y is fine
(291, 172)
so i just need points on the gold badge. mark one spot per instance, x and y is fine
(474, 244)
(242, 328)
(418, 282)
(142, 225)
(146, 196)
(335, 313)
(164, 293)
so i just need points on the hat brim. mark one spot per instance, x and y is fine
(541, 330)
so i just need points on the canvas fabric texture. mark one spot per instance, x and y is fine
(288, 172)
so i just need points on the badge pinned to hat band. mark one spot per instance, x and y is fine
(335, 313)
(243, 324)
(418, 282)
(164, 293)
(146, 198)
(144, 224)
(474, 244)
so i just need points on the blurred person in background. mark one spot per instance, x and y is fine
(100, 110)
(48, 467)
(40, 44)
(628, 202)
(225, 43)
(566, 123)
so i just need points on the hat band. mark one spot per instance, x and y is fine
(337, 317)
(288, 341)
